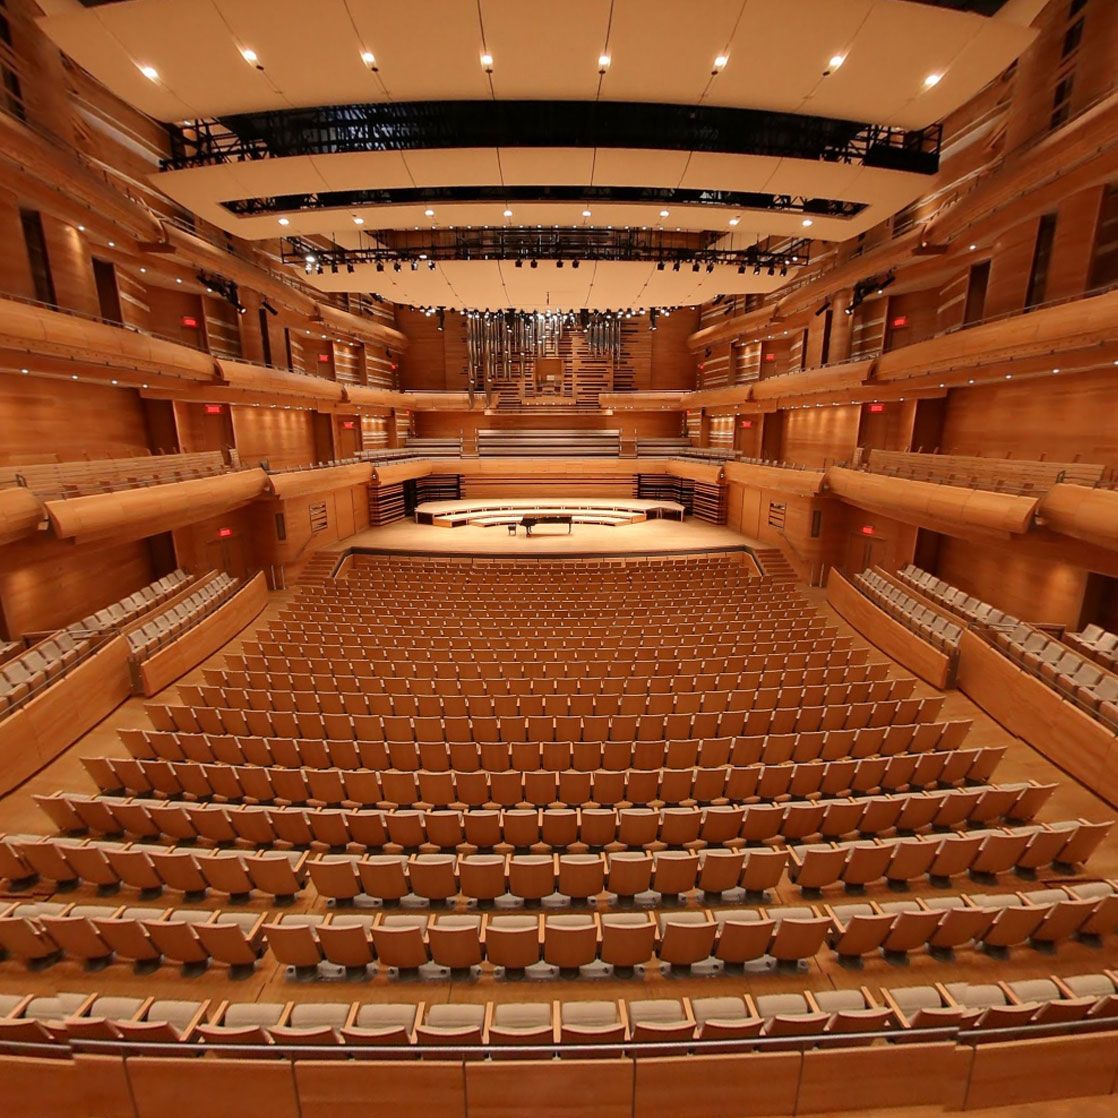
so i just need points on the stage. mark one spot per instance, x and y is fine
(648, 537)
(615, 512)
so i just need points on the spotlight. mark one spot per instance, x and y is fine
(710, 268)
(695, 266)
(652, 317)
(284, 221)
(784, 269)
(415, 265)
(441, 319)
(675, 265)
(369, 59)
(756, 269)
(741, 269)
(772, 269)
(380, 265)
(487, 62)
(430, 265)
(932, 79)
(660, 265)
(395, 265)
(603, 63)
(663, 213)
(807, 223)
(150, 72)
(533, 264)
(251, 57)
(349, 268)
(519, 263)
(558, 263)
(574, 263)
(268, 307)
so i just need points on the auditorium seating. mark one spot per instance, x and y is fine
(930, 626)
(549, 943)
(956, 601)
(706, 453)
(211, 593)
(737, 1021)
(1003, 475)
(135, 605)
(1097, 644)
(24, 676)
(552, 442)
(661, 447)
(1083, 680)
(57, 480)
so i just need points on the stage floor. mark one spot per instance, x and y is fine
(648, 537)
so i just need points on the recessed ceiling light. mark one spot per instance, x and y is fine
(429, 213)
(73, 376)
(178, 279)
(734, 220)
(663, 213)
(112, 244)
(932, 79)
(284, 221)
(973, 247)
(25, 371)
(487, 60)
(143, 271)
(368, 58)
(150, 72)
(603, 61)
(508, 213)
(114, 382)
(358, 221)
(249, 55)
(720, 61)
(585, 213)
(81, 228)
(836, 61)
(807, 223)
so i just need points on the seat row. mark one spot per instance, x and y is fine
(770, 671)
(569, 728)
(522, 828)
(24, 676)
(1072, 674)
(54, 480)
(803, 1019)
(165, 627)
(555, 756)
(142, 601)
(814, 785)
(957, 601)
(549, 943)
(447, 679)
(1097, 644)
(932, 627)
(540, 709)
(237, 873)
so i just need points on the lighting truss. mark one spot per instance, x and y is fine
(527, 245)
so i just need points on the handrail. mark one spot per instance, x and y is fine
(815, 568)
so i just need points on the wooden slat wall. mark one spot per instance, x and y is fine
(223, 328)
(374, 432)
(722, 432)
(814, 436)
(347, 363)
(284, 436)
(1055, 418)
(134, 305)
(868, 329)
(50, 420)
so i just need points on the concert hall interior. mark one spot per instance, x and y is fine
(558, 558)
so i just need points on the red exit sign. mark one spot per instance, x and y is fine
(868, 530)
(877, 409)
(900, 321)
(224, 533)
(747, 423)
(189, 321)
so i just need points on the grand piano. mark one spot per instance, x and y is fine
(536, 519)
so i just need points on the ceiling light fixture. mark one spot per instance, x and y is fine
(369, 59)
(251, 57)
(487, 62)
(508, 213)
(358, 221)
(428, 212)
(734, 220)
(973, 247)
(585, 213)
(663, 213)
(807, 223)
(284, 221)
(720, 62)
(836, 60)
(149, 72)
(932, 79)
(603, 63)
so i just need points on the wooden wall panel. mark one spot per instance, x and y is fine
(167, 309)
(1032, 589)
(71, 266)
(45, 584)
(15, 271)
(46, 420)
(814, 436)
(1063, 419)
(199, 547)
(284, 436)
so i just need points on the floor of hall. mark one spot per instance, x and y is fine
(268, 982)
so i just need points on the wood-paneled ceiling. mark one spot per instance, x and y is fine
(773, 55)
(659, 50)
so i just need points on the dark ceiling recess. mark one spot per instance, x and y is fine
(648, 195)
(406, 126)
